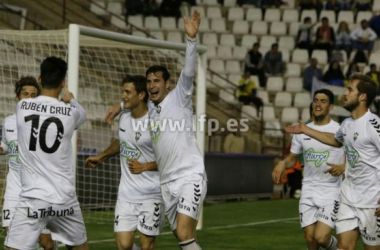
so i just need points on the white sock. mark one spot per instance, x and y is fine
(55, 245)
(333, 244)
(189, 245)
(135, 247)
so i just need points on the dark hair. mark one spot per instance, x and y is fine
(306, 19)
(139, 82)
(154, 69)
(256, 44)
(325, 19)
(26, 81)
(274, 45)
(365, 86)
(372, 65)
(327, 92)
(53, 72)
(363, 21)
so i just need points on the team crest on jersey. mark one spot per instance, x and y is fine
(13, 151)
(352, 156)
(356, 136)
(137, 136)
(129, 152)
(317, 157)
(155, 131)
(158, 109)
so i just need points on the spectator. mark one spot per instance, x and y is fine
(334, 75)
(325, 37)
(134, 7)
(353, 68)
(343, 39)
(310, 4)
(171, 8)
(273, 63)
(304, 36)
(254, 63)
(374, 23)
(332, 5)
(247, 91)
(309, 73)
(362, 5)
(363, 37)
(344, 4)
(374, 73)
(234, 142)
(151, 8)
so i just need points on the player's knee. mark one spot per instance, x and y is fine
(309, 238)
(123, 245)
(147, 246)
(47, 244)
(323, 239)
(184, 235)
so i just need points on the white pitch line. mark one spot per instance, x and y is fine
(215, 228)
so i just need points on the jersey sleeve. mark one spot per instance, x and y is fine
(339, 133)
(296, 147)
(4, 143)
(78, 112)
(374, 133)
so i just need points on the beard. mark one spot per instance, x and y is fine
(351, 106)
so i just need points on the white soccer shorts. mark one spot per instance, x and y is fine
(65, 222)
(350, 218)
(184, 195)
(312, 210)
(148, 218)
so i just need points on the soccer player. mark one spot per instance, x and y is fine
(360, 191)
(47, 198)
(26, 87)
(319, 201)
(180, 164)
(139, 204)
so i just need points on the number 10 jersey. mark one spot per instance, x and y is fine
(45, 127)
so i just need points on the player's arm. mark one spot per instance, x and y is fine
(137, 167)
(3, 144)
(288, 162)
(324, 137)
(336, 169)
(79, 112)
(112, 150)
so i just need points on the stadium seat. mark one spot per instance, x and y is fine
(256, 80)
(375, 58)
(168, 23)
(139, 33)
(248, 40)
(293, 69)
(211, 52)
(210, 39)
(330, 14)
(235, 14)
(227, 97)
(233, 67)
(320, 55)
(210, 2)
(259, 28)
(229, 3)
(275, 84)
(254, 14)
(217, 66)
(119, 22)
(367, 15)
(134, 20)
(218, 25)
(203, 27)
(159, 35)
(278, 28)
(214, 12)
(376, 5)
(224, 52)
(293, 29)
(234, 78)
(227, 40)
(264, 96)
(181, 27)
(286, 42)
(305, 115)
(174, 36)
(266, 42)
(220, 81)
(115, 8)
(294, 84)
(240, 27)
(239, 53)
(285, 55)
(283, 99)
(268, 113)
(290, 115)
(152, 23)
(273, 129)
(290, 16)
(201, 11)
(300, 56)
(309, 13)
(98, 8)
(249, 112)
(302, 100)
(346, 16)
(272, 15)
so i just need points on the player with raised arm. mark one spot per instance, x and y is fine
(45, 127)
(359, 210)
(320, 195)
(180, 163)
(139, 204)
(26, 87)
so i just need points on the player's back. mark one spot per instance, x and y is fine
(45, 127)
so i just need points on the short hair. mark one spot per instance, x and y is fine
(256, 44)
(274, 45)
(26, 81)
(325, 19)
(139, 82)
(365, 86)
(372, 65)
(307, 19)
(53, 72)
(327, 92)
(363, 21)
(156, 68)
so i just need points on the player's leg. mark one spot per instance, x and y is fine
(46, 242)
(369, 228)
(9, 208)
(308, 219)
(347, 227)
(185, 232)
(125, 240)
(309, 237)
(327, 216)
(347, 240)
(323, 236)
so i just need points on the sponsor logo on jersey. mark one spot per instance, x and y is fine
(129, 152)
(317, 157)
(352, 156)
(43, 212)
(13, 151)
(10, 130)
(356, 136)
(307, 138)
(155, 131)
(137, 136)
(158, 109)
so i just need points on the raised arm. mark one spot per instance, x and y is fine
(112, 150)
(78, 111)
(3, 145)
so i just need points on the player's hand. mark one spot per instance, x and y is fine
(192, 25)
(335, 169)
(93, 161)
(296, 129)
(112, 113)
(135, 167)
(278, 171)
(67, 96)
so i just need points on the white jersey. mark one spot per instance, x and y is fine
(45, 127)
(175, 147)
(315, 183)
(361, 139)
(9, 144)
(136, 188)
